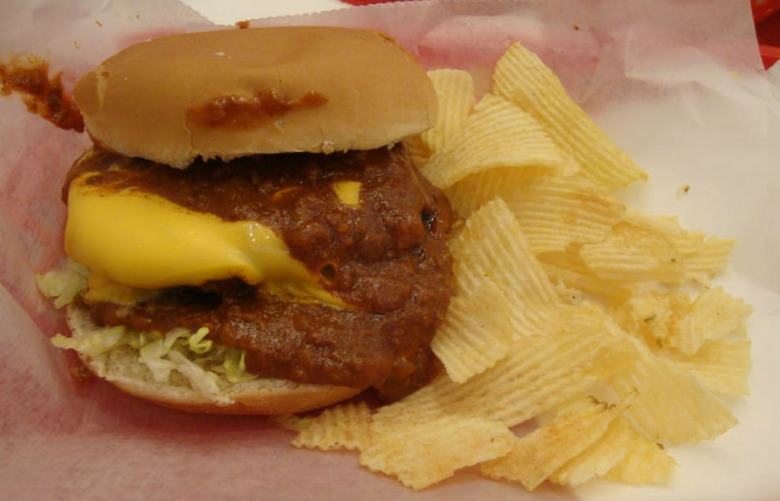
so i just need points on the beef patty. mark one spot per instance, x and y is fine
(385, 257)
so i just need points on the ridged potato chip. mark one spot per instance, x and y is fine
(456, 98)
(630, 254)
(476, 333)
(497, 134)
(481, 252)
(653, 315)
(701, 255)
(536, 456)
(569, 268)
(645, 462)
(422, 453)
(345, 426)
(711, 256)
(671, 405)
(580, 348)
(555, 212)
(672, 320)
(599, 458)
(723, 366)
(713, 315)
(477, 189)
(522, 78)
(552, 211)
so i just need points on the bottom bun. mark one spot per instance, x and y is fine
(121, 368)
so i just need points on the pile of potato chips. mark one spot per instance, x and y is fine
(584, 336)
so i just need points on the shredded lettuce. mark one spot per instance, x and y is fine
(65, 284)
(200, 360)
(202, 381)
(234, 367)
(92, 346)
(197, 342)
(153, 356)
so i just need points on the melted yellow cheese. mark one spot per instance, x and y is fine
(142, 241)
(348, 192)
(102, 289)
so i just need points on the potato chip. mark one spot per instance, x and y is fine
(580, 347)
(665, 225)
(599, 458)
(671, 405)
(569, 268)
(476, 332)
(471, 193)
(423, 453)
(555, 212)
(645, 462)
(345, 426)
(702, 255)
(631, 254)
(711, 256)
(653, 315)
(723, 366)
(713, 314)
(569, 295)
(522, 78)
(456, 99)
(504, 257)
(497, 134)
(552, 211)
(537, 455)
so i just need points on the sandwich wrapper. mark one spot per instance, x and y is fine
(678, 85)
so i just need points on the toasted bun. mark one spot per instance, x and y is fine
(148, 101)
(121, 368)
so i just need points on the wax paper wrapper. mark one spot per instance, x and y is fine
(677, 84)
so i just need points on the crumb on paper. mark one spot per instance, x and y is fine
(80, 373)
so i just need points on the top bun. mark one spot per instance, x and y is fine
(225, 94)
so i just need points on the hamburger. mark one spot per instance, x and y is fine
(247, 233)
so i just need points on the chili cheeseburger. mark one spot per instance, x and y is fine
(248, 204)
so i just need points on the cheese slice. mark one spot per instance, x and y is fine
(348, 192)
(140, 240)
